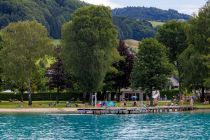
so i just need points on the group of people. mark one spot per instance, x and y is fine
(191, 99)
(134, 104)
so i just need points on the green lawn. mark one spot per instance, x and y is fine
(62, 104)
(56, 42)
(156, 23)
(36, 104)
(201, 106)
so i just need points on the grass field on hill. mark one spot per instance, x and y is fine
(156, 23)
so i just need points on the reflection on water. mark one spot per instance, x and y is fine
(148, 126)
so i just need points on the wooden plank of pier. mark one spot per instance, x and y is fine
(135, 110)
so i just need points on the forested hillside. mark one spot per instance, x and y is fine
(152, 14)
(51, 13)
(133, 29)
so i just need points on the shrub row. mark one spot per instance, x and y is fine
(65, 96)
(40, 96)
(169, 93)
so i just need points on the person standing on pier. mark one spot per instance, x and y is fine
(191, 101)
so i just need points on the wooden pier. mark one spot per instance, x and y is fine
(136, 110)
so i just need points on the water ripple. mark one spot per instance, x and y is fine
(90, 127)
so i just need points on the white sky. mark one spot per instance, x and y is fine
(183, 6)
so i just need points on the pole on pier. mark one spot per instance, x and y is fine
(95, 99)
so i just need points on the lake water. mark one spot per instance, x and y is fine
(149, 126)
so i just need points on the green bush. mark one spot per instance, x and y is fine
(169, 93)
(41, 96)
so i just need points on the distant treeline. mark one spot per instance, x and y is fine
(133, 29)
(153, 14)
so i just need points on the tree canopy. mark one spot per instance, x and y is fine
(88, 41)
(173, 35)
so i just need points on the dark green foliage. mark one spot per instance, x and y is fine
(133, 29)
(58, 79)
(1, 42)
(193, 68)
(169, 93)
(51, 13)
(194, 60)
(115, 80)
(153, 14)
(173, 36)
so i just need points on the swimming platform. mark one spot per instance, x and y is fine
(135, 110)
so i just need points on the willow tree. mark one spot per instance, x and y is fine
(151, 67)
(24, 43)
(195, 71)
(88, 41)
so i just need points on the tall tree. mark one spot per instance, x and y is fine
(56, 74)
(120, 76)
(1, 42)
(194, 67)
(25, 43)
(173, 35)
(88, 41)
(151, 67)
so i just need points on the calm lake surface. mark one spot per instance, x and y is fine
(90, 127)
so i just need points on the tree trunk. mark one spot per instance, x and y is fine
(22, 92)
(90, 98)
(202, 94)
(84, 97)
(150, 97)
(58, 95)
(29, 93)
(179, 80)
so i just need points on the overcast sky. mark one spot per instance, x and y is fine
(183, 6)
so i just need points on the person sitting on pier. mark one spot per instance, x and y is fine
(148, 100)
(155, 102)
(124, 104)
(134, 104)
(181, 100)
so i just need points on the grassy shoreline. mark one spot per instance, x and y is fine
(62, 104)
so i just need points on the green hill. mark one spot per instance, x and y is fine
(51, 13)
(150, 14)
(133, 29)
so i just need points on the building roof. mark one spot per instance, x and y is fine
(174, 82)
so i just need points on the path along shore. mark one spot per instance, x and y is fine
(40, 110)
